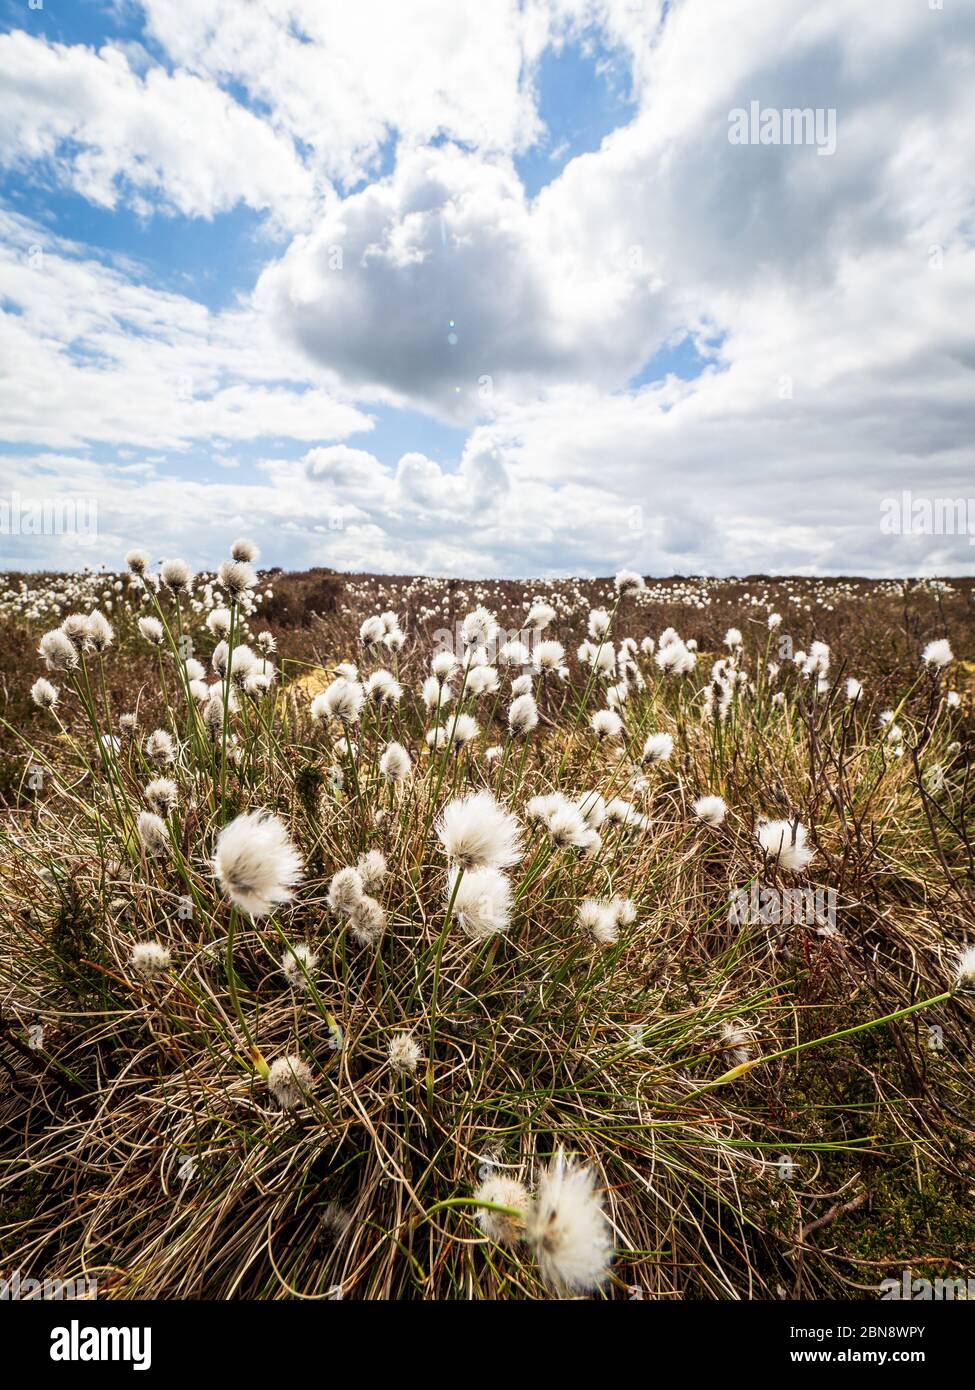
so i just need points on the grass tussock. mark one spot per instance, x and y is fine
(367, 950)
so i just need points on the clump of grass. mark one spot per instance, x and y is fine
(417, 971)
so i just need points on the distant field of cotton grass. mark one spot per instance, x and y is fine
(403, 938)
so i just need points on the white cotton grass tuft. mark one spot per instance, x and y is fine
(443, 664)
(395, 763)
(522, 715)
(476, 832)
(482, 680)
(372, 869)
(149, 958)
(290, 1081)
(159, 747)
(161, 796)
(244, 550)
(152, 832)
(342, 700)
(367, 920)
(786, 843)
(58, 651)
(514, 653)
(938, 653)
(44, 694)
(853, 688)
(463, 730)
(101, 634)
(403, 1054)
(540, 615)
(711, 810)
(344, 891)
(658, 748)
(237, 578)
(598, 920)
(629, 582)
(256, 863)
(137, 562)
(567, 1228)
(965, 968)
(298, 964)
(479, 628)
(152, 631)
(383, 688)
(548, 657)
(622, 813)
(482, 902)
(176, 575)
(502, 1227)
(606, 724)
(218, 622)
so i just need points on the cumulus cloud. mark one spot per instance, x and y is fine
(169, 140)
(94, 356)
(343, 78)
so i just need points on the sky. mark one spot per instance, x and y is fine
(532, 288)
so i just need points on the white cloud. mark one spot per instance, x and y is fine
(93, 356)
(342, 78)
(166, 139)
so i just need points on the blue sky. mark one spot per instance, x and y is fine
(470, 288)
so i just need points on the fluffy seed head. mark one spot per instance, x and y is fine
(256, 863)
(628, 582)
(175, 574)
(152, 631)
(658, 748)
(476, 832)
(606, 724)
(403, 1054)
(44, 694)
(161, 796)
(159, 747)
(567, 1229)
(372, 869)
(786, 842)
(965, 968)
(58, 651)
(345, 891)
(297, 964)
(237, 578)
(500, 1226)
(710, 809)
(343, 700)
(152, 833)
(367, 920)
(522, 715)
(482, 902)
(395, 763)
(938, 653)
(289, 1080)
(148, 958)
